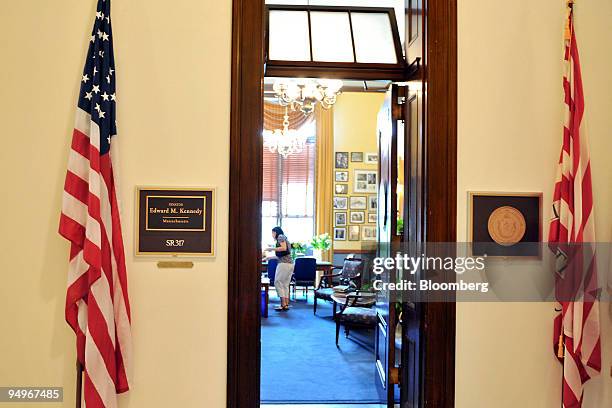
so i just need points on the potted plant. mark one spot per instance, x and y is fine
(319, 244)
(297, 249)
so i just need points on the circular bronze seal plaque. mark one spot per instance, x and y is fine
(506, 225)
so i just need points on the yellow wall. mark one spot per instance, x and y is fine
(355, 131)
(173, 70)
(509, 130)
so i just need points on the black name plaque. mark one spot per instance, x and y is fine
(175, 221)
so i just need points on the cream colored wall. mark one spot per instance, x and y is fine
(355, 131)
(509, 131)
(173, 70)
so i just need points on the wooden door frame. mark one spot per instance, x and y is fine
(246, 117)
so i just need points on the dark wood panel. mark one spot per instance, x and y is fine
(336, 71)
(414, 35)
(441, 171)
(243, 333)
(439, 117)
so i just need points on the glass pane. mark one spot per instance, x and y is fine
(288, 36)
(401, 179)
(267, 223)
(331, 37)
(298, 229)
(373, 38)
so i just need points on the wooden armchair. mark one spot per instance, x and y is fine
(350, 275)
(356, 311)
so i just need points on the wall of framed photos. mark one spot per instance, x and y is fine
(355, 170)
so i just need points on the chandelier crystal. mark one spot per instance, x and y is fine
(303, 94)
(286, 141)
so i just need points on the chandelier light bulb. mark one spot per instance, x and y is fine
(303, 94)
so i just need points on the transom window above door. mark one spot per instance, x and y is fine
(333, 42)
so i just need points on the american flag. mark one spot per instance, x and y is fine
(577, 329)
(97, 305)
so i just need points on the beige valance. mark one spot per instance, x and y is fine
(274, 115)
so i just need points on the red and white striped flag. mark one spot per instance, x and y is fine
(97, 305)
(571, 236)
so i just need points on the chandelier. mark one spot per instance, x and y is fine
(286, 141)
(303, 94)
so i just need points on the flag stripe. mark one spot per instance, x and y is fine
(578, 324)
(97, 305)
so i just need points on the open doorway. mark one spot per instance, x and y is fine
(320, 187)
(423, 374)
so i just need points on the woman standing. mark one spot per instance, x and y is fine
(284, 270)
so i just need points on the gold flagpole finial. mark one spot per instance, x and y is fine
(560, 350)
(568, 32)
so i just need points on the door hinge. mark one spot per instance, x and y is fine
(394, 375)
(402, 95)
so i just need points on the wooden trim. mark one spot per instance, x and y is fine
(246, 146)
(341, 70)
(441, 195)
(440, 77)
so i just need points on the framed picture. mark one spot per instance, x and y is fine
(357, 157)
(372, 218)
(366, 181)
(175, 221)
(501, 223)
(340, 218)
(368, 233)
(341, 188)
(371, 158)
(340, 234)
(372, 202)
(341, 176)
(353, 233)
(342, 160)
(358, 203)
(340, 203)
(357, 217)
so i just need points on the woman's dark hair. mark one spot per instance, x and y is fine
(278, 231)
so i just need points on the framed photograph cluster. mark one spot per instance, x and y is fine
(353, 213)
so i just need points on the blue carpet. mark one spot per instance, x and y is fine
(300, 362)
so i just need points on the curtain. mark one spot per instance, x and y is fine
(289, 182)
(324, 174)
(274, 115)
